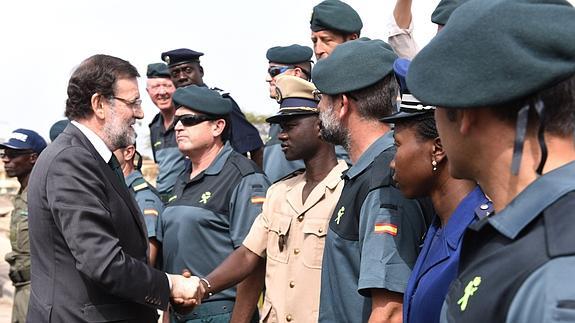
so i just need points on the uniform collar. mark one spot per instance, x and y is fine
(375, 149)
(218, 163)
(132, 177)
(533, 200)
(463, 216)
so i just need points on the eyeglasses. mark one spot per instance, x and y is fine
(136, 104)
(13, 153)
(277, 70)
(189, 120)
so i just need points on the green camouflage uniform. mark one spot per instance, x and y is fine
(19, 257)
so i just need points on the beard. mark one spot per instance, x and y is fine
(119, 134)
(331, 129)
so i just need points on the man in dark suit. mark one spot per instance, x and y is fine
(88, 238)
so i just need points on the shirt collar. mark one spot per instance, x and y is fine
(330, 181)
(533, 200)
(95, 140)
(464, 215)
(218, 163)
(375, 149)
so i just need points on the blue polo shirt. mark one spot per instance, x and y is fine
(438, 261)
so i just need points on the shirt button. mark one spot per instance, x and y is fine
(295, 251)
(300, 218)
(484, 206)
(288, 318)
(320, 230)
(292, 284)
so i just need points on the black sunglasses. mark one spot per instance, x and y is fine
(13, 153)
(189, 120)
(277, 70)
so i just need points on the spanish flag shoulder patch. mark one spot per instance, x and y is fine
(386, 228)
(258, 199)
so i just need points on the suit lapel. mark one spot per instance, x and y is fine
(119, 187)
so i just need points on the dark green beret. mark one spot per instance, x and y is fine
(201, 99)
(493, 52)
(353, 65)
(335, 15)
(158, 70)
(444, 10)
(292, 54)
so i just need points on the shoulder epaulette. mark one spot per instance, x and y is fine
(139, 184)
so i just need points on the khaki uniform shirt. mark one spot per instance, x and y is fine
(19, 257)
(292, 236)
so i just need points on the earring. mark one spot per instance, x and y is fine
(434, 164)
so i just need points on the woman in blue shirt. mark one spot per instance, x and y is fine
(421, 169)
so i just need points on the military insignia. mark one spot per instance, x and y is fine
(151, 212)
(167, 59)
(258, 199)
(278, 95)
(385, 228)
(340, 214)
(157, 143)
(205, 197)
(470, 289)
(173, 197)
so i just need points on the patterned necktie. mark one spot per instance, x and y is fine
(115, 165)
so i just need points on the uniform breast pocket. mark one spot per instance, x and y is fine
(23, 240)
(277, 248)
(314, 231)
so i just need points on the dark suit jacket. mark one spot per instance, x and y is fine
(88, 241)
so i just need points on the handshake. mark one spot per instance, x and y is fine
(187, 291)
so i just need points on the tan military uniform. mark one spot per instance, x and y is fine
(292, 236)
(19, 257)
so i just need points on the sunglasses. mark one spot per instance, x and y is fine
(13, 153)
(277, 70)
(189, 120)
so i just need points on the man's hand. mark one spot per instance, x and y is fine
(186, 291)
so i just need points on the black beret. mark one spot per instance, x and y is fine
(158, 70)
(493, 52)
(335, 15)
(180, 56)
(410, 107)
(201, 99)
(354, 65)
(295, 96)
(444, 10)
(292, 54)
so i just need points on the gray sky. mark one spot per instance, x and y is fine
(43, 41)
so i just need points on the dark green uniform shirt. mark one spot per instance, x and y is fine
(210, 215)
(373, 238)
(148, 200)
(19, 257)
(171, 162)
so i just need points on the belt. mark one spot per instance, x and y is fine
(205, 310)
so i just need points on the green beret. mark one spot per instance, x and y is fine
(353, 65)
(335, 15)
(444, 10)
(201, 99)
(292, 54)
(158, 70)
(494, 52)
